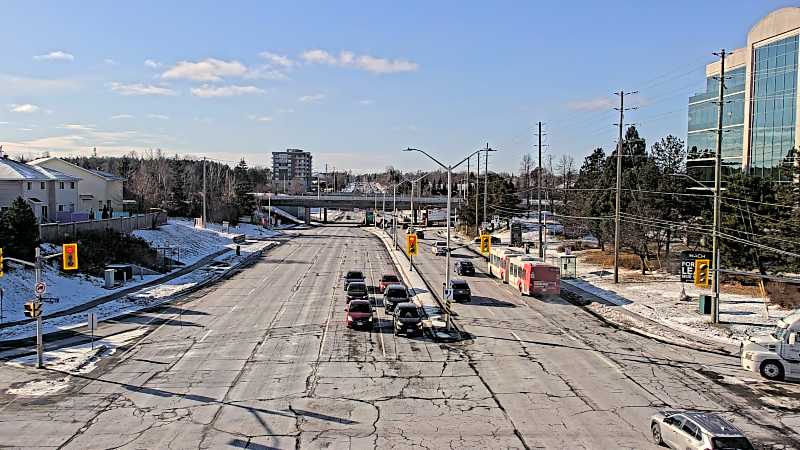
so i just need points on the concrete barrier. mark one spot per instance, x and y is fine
(51, 232)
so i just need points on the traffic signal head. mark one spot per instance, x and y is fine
(702, 272)
(69, 254)
(32, 309)
(486, 243)
(411, 241)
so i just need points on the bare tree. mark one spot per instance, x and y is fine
(525, 168)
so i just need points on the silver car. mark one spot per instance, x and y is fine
(696, 430)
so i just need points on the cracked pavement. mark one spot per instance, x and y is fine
(264, 360)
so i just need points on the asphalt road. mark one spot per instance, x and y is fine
(566, 379)
(263, 360)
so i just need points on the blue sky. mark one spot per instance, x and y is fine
(352, 82)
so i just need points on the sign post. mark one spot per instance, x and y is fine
(92, 319)
(40, 289)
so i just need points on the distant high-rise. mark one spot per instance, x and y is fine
(759, 123)
(290, 168)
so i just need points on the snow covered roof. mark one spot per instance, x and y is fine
(17, 171)
(104, 175)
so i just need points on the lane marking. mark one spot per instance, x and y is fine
(233, 308)
(205, 336)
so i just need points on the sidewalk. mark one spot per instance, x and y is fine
(423, 297)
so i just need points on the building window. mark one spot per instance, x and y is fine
(61, 185)
(60, 208)
(72, 185)
(42, 186)
(29, 185)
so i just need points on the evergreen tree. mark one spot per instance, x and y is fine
(245, 203)
(19, 230)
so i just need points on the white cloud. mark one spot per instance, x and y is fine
(209, 91)
(209, 69)
(265, 73)
(77, 127)
(366, 102)
(55, 56)
(286, 110)
(110, 62)
(311, 98)
(277, 60)
(3, 123)
(592, 104)
(153, 64)
(369, 63)
(138, 89)
(24, 108)
(121, 116)
(158, 116)
(260, 118)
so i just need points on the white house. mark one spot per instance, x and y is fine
(48, 191)
(96, 188)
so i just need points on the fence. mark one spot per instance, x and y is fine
(50, 232)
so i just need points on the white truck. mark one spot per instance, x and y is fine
(777, 355)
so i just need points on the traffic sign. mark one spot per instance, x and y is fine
(40, 288)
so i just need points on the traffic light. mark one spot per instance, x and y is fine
(33, 309)
(486, 243)
(702, 273)
(69, 255)
(1, 262)
(411, 244)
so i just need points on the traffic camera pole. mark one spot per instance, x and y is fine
(39, 324)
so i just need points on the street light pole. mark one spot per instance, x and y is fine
(717, 186)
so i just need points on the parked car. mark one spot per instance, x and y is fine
(407, 319)
(464, 268)
(696, 430)
(357, 289)
(386, 280)
(358, 313)
(394, 294)
(353, 275)
(439, 248)
(459, 290)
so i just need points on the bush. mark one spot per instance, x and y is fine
(19, 231)
(97, 249)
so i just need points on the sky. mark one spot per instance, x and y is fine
(354, 82)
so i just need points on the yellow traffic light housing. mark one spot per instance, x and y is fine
(69, 255)
(486, 244)
(702, 272)
(411, 244)
(33, 309)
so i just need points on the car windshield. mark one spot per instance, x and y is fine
(466, 263)
(354, 275)
(390, 278)
(360, 307)
(779, 333)
(397, 293)
(408, 313)
(731, 443)
(357, 287)
(460, 285)
(441, 244)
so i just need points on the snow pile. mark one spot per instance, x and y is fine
(192, 243)
(80, 359)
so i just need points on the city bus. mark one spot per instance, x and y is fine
(498, 261)
(532, 277)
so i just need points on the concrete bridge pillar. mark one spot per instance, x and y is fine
(307, 214)
(324, 215)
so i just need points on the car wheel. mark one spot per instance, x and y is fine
(657, 434)
(772, 370)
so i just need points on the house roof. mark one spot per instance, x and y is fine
(17, 171)
(99, 173)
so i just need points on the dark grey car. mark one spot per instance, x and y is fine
(407, 319)
(357, 289)
(394, 294)
(459, 291)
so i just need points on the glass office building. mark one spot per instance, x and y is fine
(760, 104)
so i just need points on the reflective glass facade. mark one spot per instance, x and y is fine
(701, 141)
(774, 102)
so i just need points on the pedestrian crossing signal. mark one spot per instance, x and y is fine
(702, 272)
(486, 243)
(69, 255)
(33, 309)
(411, 244)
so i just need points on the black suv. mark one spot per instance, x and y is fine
(394, 294)
(353, 275)
(464, 268)
(459, 290)
(407, 319)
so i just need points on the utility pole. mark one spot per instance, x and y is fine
(477, 194)
(539, 192)
(486, 179)
(204, 192)
(622, 110)
(39, 324)
(717, 188)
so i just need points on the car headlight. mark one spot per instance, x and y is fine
(369, 319)
(419, 324)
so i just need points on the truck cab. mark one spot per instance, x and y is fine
(777, 355)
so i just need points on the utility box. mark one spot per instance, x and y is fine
(109, 278)
(122, 272)
(704, 304)
(568, 265)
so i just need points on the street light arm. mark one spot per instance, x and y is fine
(470, 156)
(428, 155)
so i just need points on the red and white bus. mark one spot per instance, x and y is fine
(532, 277)
(498, 261)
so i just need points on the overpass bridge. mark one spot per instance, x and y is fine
(348, 202)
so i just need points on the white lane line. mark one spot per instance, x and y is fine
(233, 308)
(516, 337)
(205, 336)
(251, 291)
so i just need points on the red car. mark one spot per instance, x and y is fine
(386, 280)
(358, 314)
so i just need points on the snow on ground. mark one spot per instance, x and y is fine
(193, 243)
(657, 297)
(79, 359)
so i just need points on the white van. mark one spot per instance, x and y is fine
(777, 355)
